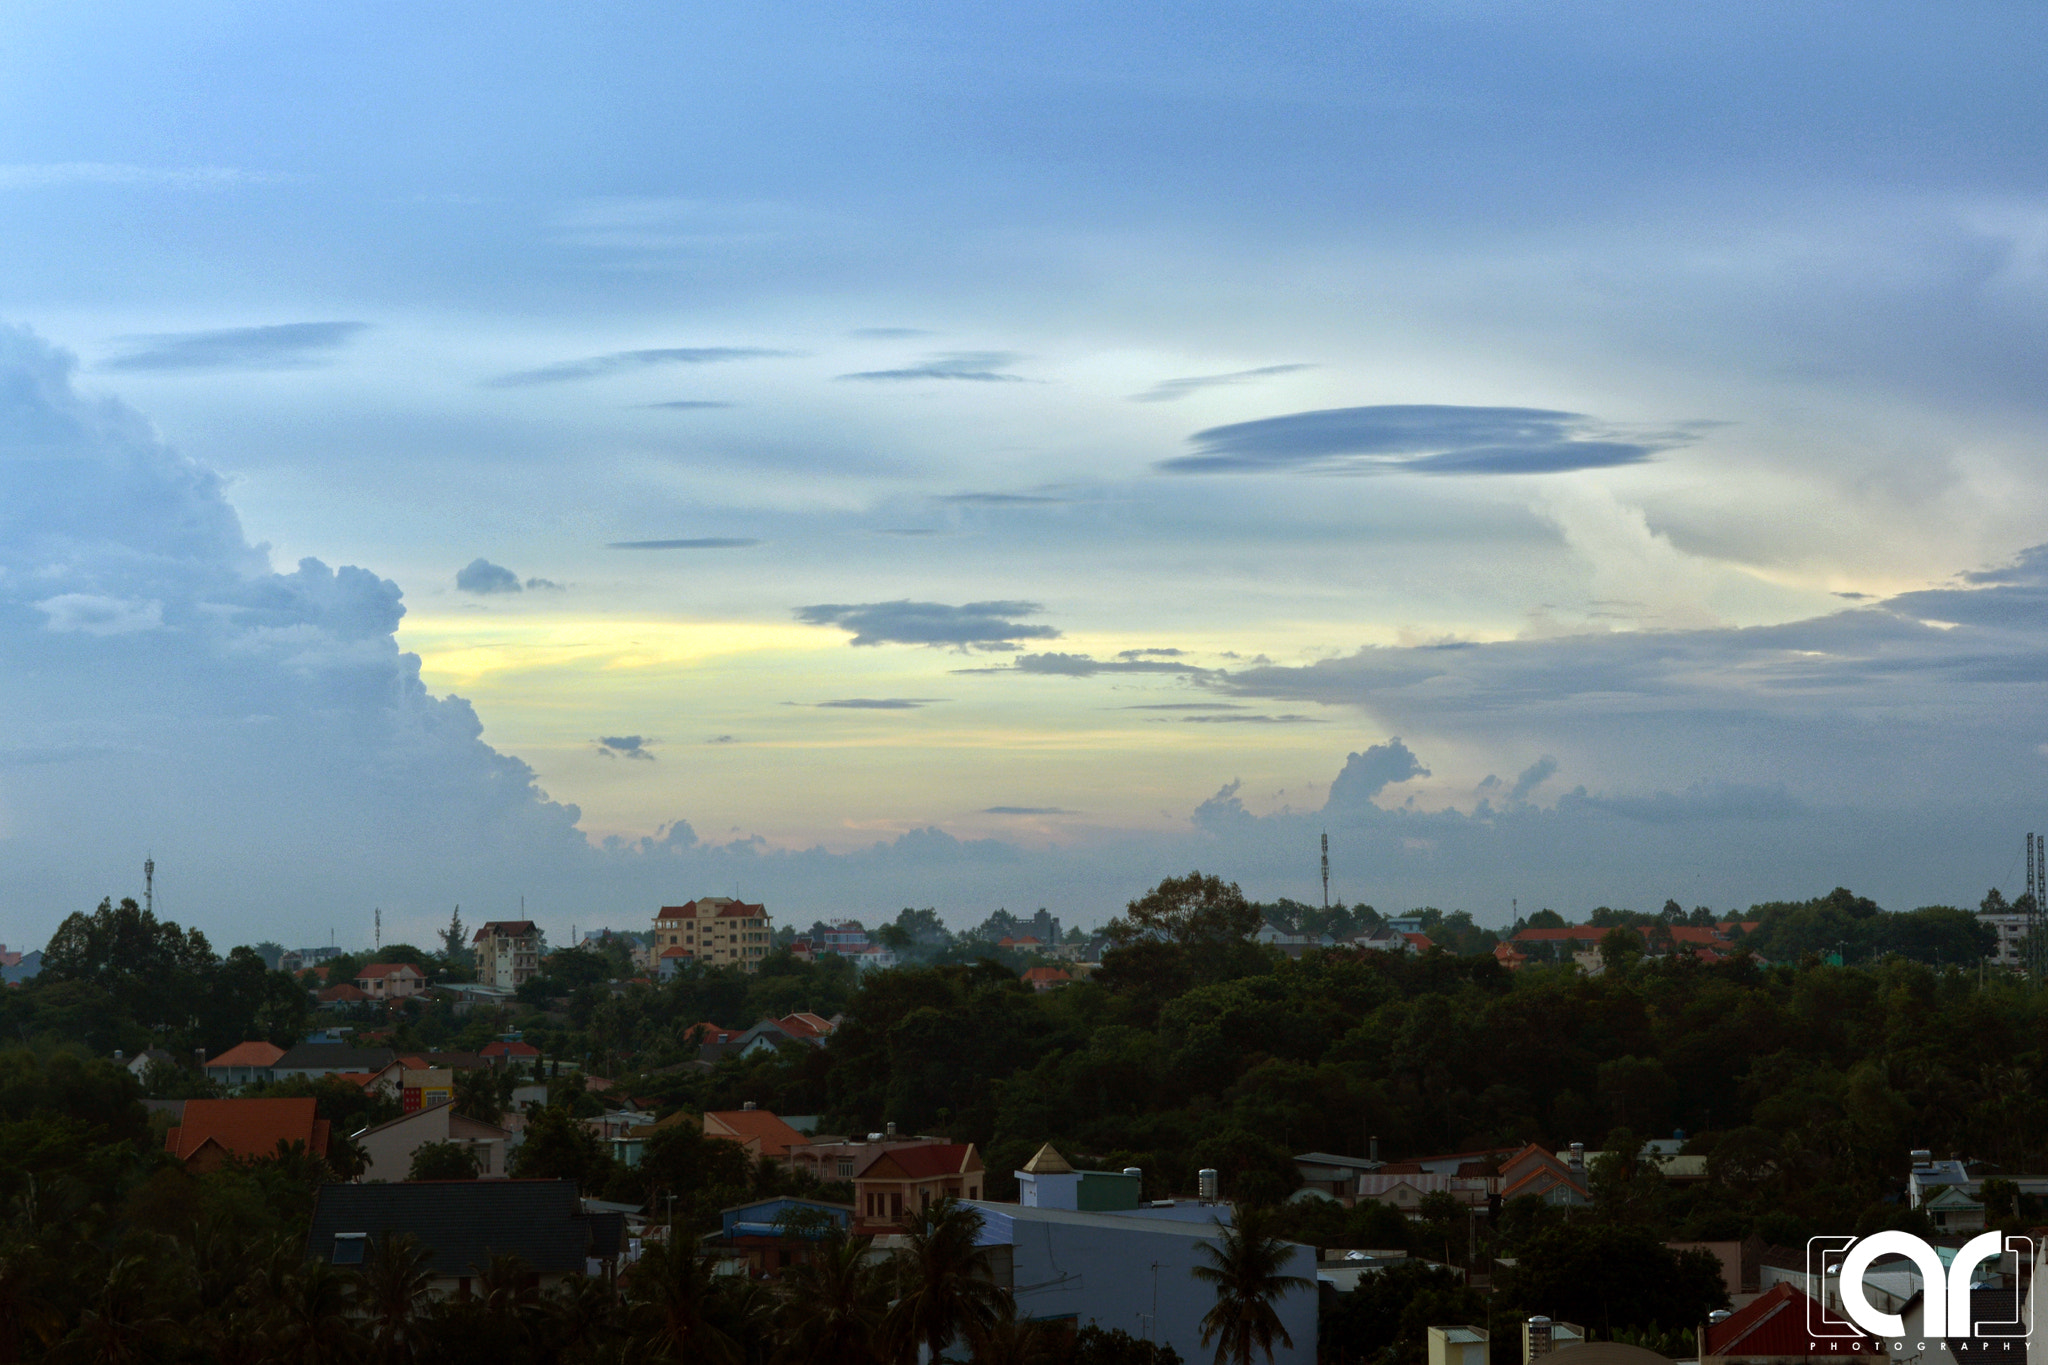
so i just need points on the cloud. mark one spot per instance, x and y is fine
(905, 531)
(981, 367)
(689, 404)
(1423, 439)
(1533, 776)
(888, 333)
(721, 739)
(1366, 775)
(482, 577)
(1185, 706)
(1026, 810)
(1252, 720)
(1085, 666)
(701, 543)
(1701, 801)
(92, 614)
(880, 703)
(624, 746)
(1172, 390)
(976, 625)
(1151, 653)
(283, 346)
(626, 362)
(544, 585)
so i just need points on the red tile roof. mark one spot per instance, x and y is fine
(249, 1054)
(388, 969)
(922, 1163)
(1047, 974)
(752, 1126)
(1573, 933)
(1773, 1324)
(503, 1049)
(1420, 942)
(344, 993)
(503, 928)
(247, 1128)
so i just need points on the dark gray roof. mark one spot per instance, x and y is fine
(463, 1223)
(334, 1056)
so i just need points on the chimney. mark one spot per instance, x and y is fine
(1372, 1149)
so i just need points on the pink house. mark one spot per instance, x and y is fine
(390, 980)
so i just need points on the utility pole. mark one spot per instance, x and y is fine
(1326, 869)
(149, 883)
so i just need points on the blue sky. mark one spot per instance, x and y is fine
(902, 455)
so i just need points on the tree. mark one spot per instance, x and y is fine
(455, 940)
(396, 1287)
(1619, 947)
(836, 1302)
(1247, 1267)
(1187, 911)
(558, 1147)
(443, 1161)
(671, 1289)
(944, 1289)
(156, 972)
(1608, 1277)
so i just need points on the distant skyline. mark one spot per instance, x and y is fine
(863, 458)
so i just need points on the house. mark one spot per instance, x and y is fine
(464, 1223)
(1042, 979)
(243, 1064)
(771, 1235)
(833, 1158)
(896, 1183)
(1458, 1345)
(138, 1065)
(507, 953)
(716, 931)
(1387, 939)
(1022, 943)
(716, 1044)
(1113, 1270)
(314, 1060)
(390, 980)
(1404, 1185)
(389, 1147)
(1775, 1329)
(1332, 1174)
(757, 1130)
(1534, 1171)
(338, 997)
(811, 1028)
(421, 1087)
(211, 1133)
(509, 1051)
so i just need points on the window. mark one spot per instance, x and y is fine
(348, 1247)
(846, 1168)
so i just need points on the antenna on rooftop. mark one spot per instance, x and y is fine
(1326, 869)
(149, 882)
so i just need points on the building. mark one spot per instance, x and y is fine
(314, 1060)
(464, 1223)
(390, 980)
(212, 1133)
(2012, 934)
(771, 1235)
(507, 953)
(1458, 1346)
(1043, 979)
(896, 1183)
(1334, 1175)
(243, 1064)
(835, 1158)
(716, 931)
(761, 1133)
(1534, 1171)
(1774, 1330)
(1132, 1274)
(389, 1147)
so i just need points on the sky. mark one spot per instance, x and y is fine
(856, 457)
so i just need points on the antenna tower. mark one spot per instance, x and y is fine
(149, 883)
(2037, 923)
(1326, 869)
(380, 926)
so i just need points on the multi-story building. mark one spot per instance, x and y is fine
(507, 953)
(717, 931)
(2011, 929)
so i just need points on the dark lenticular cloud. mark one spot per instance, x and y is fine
(1417, 438)
(880, 703)
(973, 625)
(620, 362)
(981, 367)
(700, 543)
(285, 346)
(624, 746)
(1085, 666)
(688, 404)
(481, 576)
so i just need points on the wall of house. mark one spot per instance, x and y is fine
(1133, 1274)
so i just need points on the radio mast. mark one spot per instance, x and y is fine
(1326, 869)
(380, 927)
(2036, 962)
(149, 883)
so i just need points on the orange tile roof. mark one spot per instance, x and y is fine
(922, 1163)
(751, 1126)
(247, 1128)
(249, 1054)
(387, 968)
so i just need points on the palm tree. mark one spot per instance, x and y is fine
(672, 1288)
(836, 1303)
(1246, 1266)
(1011, 1340)
(944, 1289)
(314, 1313)
(395, 1295)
